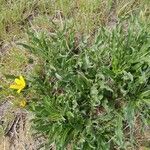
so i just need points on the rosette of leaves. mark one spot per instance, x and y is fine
(90, 94)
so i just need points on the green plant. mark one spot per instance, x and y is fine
(90, 95)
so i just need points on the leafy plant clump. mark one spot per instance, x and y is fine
(91, 95)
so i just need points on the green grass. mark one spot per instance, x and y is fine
(91, 96)
(87, 16)
(73, 25)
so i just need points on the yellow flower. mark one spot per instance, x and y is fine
(19, 84)
(23, 103)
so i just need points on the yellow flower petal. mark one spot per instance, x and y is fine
(19, 84)
(22, 80)
(14, 86)
(19, 91)
(23, 103)
(17, 81)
